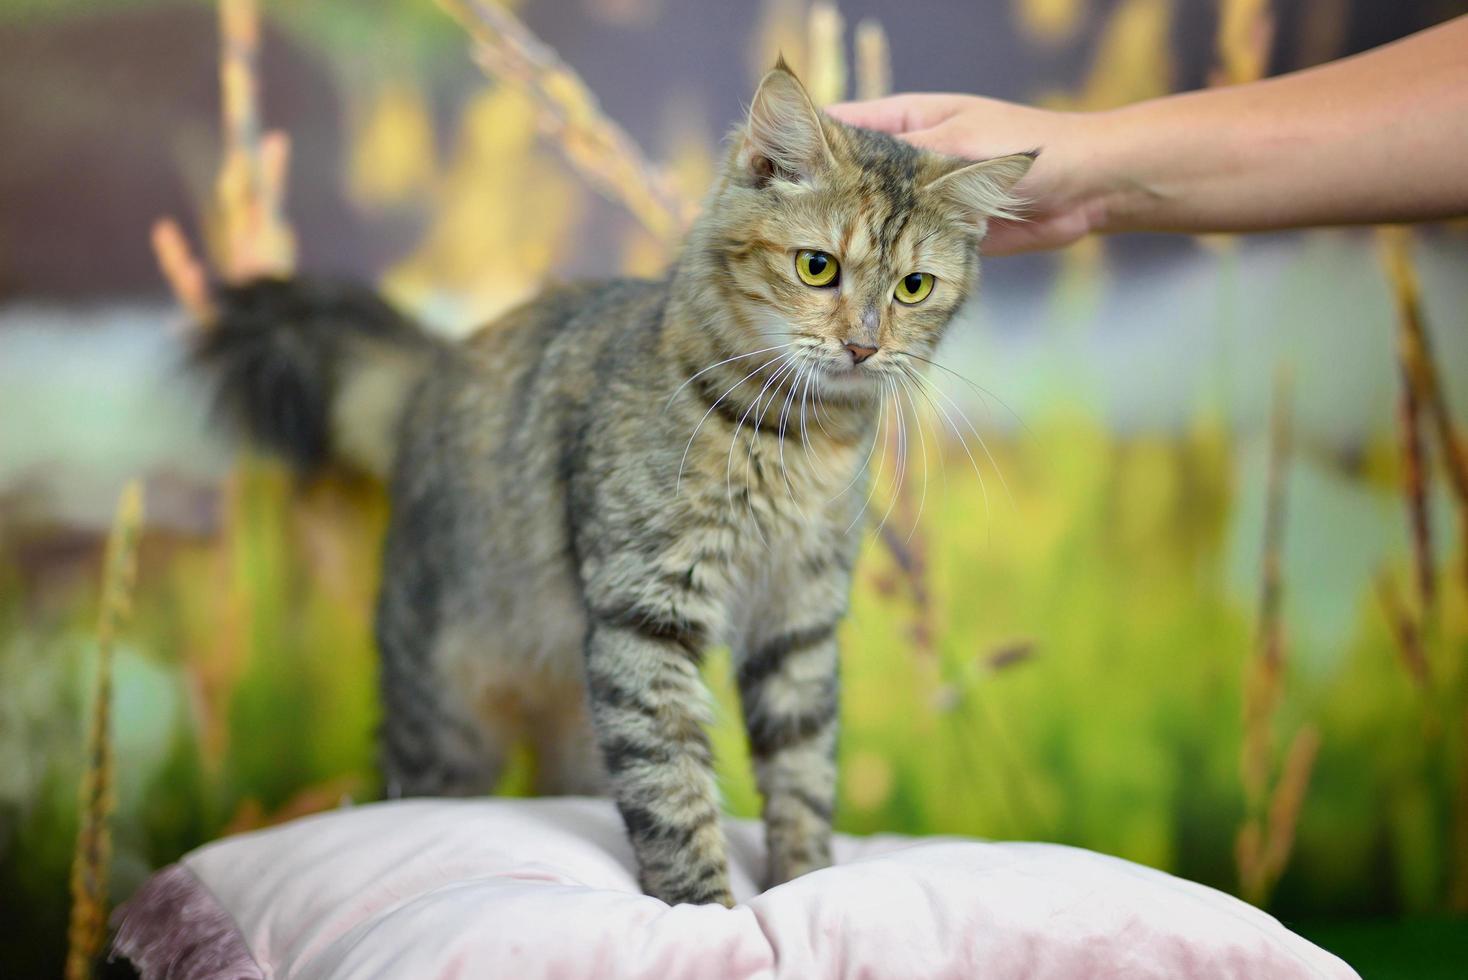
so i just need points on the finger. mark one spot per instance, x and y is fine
(1011, 237)
(1006, 238)
(942, 139)
(896, 113)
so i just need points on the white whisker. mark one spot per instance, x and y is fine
(982, 444)
(809, 376)
(865, 462)
(783, 421)
(979, 389)
(922, 448)
(962, 439)
(736, 357)
(678, 484)
(788, 360)
(882, 436)
(899, 472)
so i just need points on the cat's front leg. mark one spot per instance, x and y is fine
(788, 685)
(649, 709)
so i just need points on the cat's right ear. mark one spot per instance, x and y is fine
(783, 137)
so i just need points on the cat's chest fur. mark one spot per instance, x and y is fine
(796, 489)
(781, 513)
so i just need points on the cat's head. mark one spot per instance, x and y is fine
(856, 247)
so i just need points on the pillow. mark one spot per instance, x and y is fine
(547, 888)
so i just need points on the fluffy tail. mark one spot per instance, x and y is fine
(314, 371)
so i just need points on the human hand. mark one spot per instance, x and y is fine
(1064, 200)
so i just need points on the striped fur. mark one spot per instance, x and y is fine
(594, 490)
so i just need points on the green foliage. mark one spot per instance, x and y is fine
(1075, 674)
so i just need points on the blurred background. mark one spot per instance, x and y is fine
(1200, 599)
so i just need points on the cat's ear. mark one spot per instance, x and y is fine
(783, 136)
(984, 190)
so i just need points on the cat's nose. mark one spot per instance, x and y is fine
(859, 353)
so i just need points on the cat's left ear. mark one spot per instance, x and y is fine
(783, 137)
(984, 190)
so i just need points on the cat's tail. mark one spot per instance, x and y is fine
(313, 370)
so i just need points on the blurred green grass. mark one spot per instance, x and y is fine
(1415, 949)
(1075, 676)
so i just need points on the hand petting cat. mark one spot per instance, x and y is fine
(1376, 138)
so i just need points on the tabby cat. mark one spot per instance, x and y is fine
(595, 489)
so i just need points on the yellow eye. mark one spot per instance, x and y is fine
(816, 268)
(914, 288)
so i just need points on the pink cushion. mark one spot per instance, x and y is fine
(547, 888)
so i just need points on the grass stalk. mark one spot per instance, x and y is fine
(571, 117)
(249, 234)
(1406, 631)
(826, 72)
(92, 856)
(1272, 803)
(1423, 390)
(873, 61)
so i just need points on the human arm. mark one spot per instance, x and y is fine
(1378, 137)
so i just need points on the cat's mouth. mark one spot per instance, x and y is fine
(844, 375)
(852, 369)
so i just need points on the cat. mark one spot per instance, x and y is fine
(592, 491)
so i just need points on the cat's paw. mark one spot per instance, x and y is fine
(694, 892)
(786, 868)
